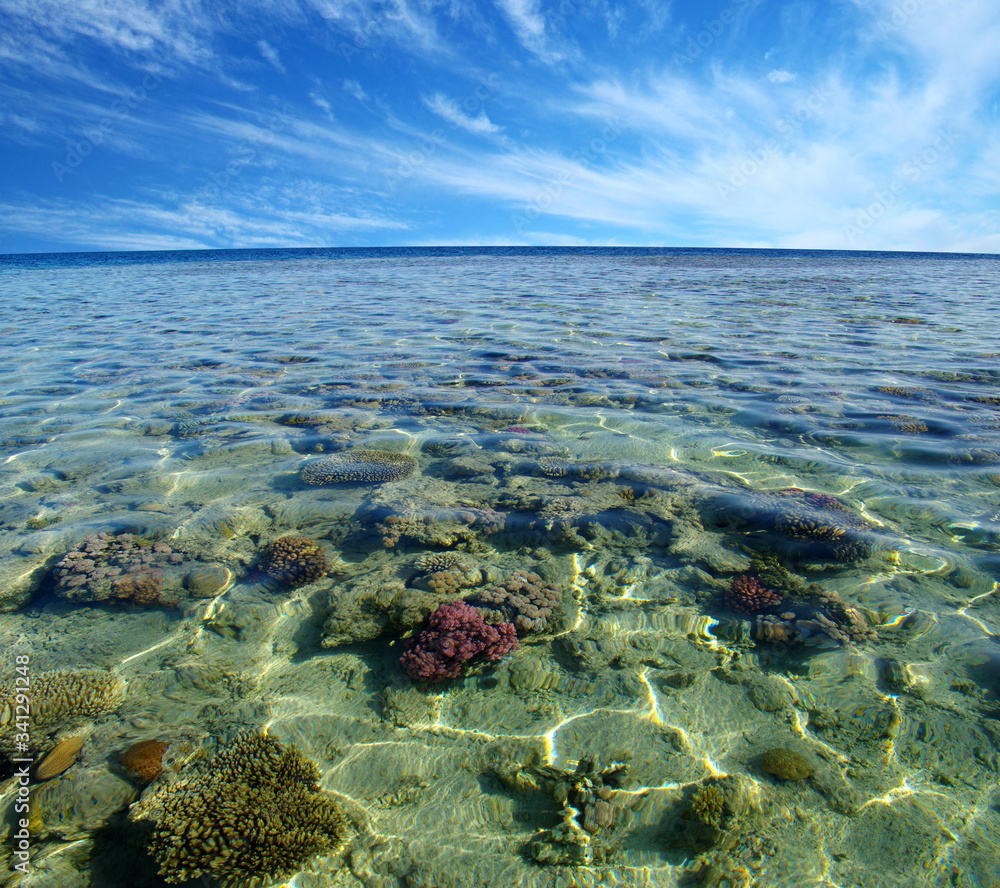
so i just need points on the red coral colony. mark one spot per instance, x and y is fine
(456, 633)
(747, 595)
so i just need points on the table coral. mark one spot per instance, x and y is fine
(359, 466)
(456, 634)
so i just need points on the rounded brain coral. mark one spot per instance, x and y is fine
(364, 466)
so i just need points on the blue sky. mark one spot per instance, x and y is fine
(836, 124)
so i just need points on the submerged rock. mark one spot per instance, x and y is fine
(785, 764)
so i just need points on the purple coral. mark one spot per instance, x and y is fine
(119, 567)
(747, 595)
(456, 633)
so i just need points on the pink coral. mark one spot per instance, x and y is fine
(456, 633)
(747, 595)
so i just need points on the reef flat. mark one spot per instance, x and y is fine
(498, 570)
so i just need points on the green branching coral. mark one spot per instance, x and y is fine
(255, 811)
(771, 573)
(62, 697)
(709, 804)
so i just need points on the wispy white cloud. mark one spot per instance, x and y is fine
(271, 55)
(354, 88)
(528, 23)
(732, 146)
(245, 215)
(320, 102)
(450, 111)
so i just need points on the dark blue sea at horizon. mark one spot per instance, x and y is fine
(742, 508)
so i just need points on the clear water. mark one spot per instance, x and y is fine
(177, 397)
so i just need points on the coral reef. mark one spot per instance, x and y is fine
(721, 809)
(588, 791)
(586, 797)
(359, 466)
(747, 595)
(64, 697)
(523, 600)
(255, 812)
(821, 617)
(440, 526)
(770, 572)
(806, 522)
(709, 804)
(905, 423)
(448, 582)
(557, 467)
(122, 567)
(818, 518)
(394, 527)
(294, 561)
(456, 634)
(438, 561)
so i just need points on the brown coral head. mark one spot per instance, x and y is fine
(144, 760)
(747, 595)
(294, 561)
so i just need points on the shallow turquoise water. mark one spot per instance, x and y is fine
(177, 397)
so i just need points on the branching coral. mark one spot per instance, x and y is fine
(62, 697)
(255, 812)
(747, 595)
(294, 561)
